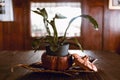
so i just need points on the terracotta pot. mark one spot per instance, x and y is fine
(56, 62)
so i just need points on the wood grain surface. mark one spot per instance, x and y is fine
(107, 63)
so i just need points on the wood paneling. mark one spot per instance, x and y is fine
(14, 32)
(92, 39)
(1, 37)
(111, 29)
(16, 35)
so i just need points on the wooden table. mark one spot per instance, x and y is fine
(108, 64)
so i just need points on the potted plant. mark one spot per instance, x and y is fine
(57, 46)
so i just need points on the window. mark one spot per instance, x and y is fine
(68, 9)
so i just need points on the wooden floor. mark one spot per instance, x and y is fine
(108, 64)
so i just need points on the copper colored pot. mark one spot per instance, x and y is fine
(56, 62)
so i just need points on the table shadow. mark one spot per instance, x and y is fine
(57, 76)
(44, 76)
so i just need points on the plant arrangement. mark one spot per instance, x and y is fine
(57, 56)
(53, 40)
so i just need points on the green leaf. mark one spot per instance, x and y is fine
(55, 31)
(74, 41)
(37, 12)
(43, 12)
(90, 18)
(46, 26)
(77, 42)
(59, 16)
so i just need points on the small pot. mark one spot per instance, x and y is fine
(62, 50)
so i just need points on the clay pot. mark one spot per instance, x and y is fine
(56, 62)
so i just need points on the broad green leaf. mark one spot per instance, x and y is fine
(92, 20)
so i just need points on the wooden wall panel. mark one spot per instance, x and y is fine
(92, 39)
(111, 29)
(112, 39)
(6, 35)
(1, 37)
(13, 32)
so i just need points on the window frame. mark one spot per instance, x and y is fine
(73, 36)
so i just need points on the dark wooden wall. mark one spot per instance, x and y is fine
(16, 35)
